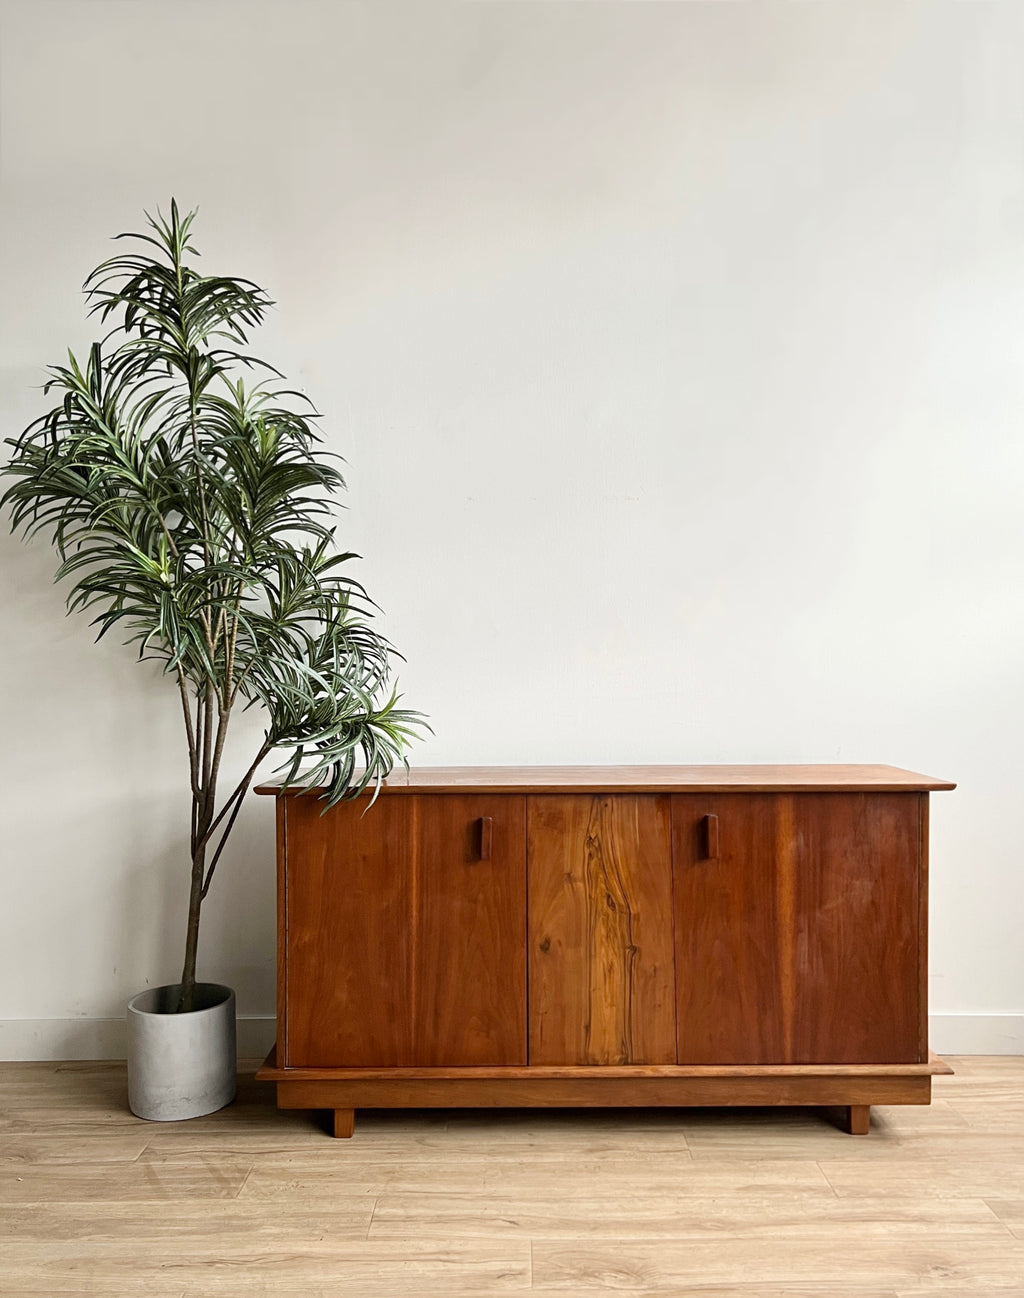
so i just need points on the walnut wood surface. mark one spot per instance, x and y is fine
(599, 1091)
(680, 935)
(922, 931)
(646, 779)
(601, 966)
(272, 1072)
(858, 1119)
(403, 946)
(281, 817)
(800, 942)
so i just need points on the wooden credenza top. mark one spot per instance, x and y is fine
(650, 779)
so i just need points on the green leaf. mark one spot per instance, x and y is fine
(192, 510)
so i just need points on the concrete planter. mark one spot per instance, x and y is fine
(181, 1065)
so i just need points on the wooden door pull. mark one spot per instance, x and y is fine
(711, 837)
(486, 834)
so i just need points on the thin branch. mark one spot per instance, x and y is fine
(223, 717)
(204, 615)
(245, 672)
(218, 629)
(200, 731)
(208, 737)
(208, 639)
(224, 838)
(193, 407)
(229, 673)
(193, 751)
(236, 796)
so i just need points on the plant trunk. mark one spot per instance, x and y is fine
(195, 901)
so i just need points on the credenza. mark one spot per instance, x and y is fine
(640, 935)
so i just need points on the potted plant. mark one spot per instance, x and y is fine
(190, 507)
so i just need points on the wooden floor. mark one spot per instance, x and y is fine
(729, 1204)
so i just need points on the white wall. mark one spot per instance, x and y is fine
(677, 351)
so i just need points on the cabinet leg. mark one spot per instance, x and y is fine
(344, 1122)
(858, 1119)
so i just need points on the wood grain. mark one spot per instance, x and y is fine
(729, 970)
(344, 1123)
(601, 964)
(801, 941)
(250, 1203)
(857, 954)
(737, 929)
(126, 1182)
(403, 946)
(922, 926)
(900, 1258)
(799, 1213)
(645, 779)
(858, 1119)
(270, 1071)
(281, 826)
(599, 1091)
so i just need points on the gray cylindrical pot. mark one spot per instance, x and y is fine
(181, 1065)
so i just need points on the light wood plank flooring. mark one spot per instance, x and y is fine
(703, 1203)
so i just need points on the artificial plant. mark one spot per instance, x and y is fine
(191, 509)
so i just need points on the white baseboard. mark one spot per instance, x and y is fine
(976, 1034)
(45, 1039)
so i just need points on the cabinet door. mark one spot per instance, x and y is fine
(600, 929)
(798, 932)
(405, 931)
